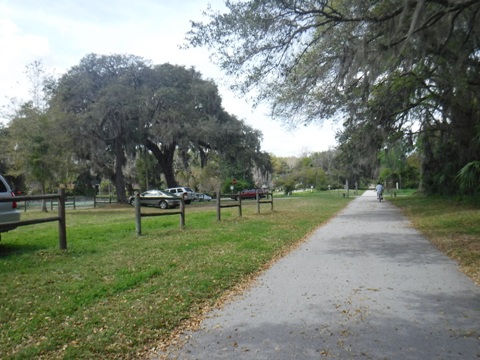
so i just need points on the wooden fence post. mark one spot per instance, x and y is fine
(138, 215)
(239, 205)
(62, 226)
(182, 214)
(218, 205)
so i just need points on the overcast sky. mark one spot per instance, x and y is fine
(61, 32)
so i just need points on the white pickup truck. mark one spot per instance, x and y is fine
(8, 210)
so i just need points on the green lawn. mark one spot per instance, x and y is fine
(115, 295)
(454, 227)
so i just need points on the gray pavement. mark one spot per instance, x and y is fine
(366, 285)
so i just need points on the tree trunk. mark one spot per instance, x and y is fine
(44, 201)
(118, 177)
(164, 156)
(464, 123)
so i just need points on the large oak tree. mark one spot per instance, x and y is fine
(100, 100)
(117, 107)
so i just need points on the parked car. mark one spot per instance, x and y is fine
(249, 194)
(159, 198)
(202, 197)
(8, 210)
(185, 192)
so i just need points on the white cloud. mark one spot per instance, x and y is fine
(18, 50)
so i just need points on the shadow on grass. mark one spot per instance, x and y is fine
(10, 249)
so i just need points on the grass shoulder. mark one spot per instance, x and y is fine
(452, 226)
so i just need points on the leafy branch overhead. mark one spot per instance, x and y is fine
(407, 69)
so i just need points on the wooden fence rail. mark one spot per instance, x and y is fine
(69, 201)
(62, 227)
(102, 199)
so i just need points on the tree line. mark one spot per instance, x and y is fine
(402, 77)
(120, 123)
(123, 119)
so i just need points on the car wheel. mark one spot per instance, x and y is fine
(163, 204)
(132, 201)
(188, 201)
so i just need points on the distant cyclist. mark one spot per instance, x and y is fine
(379, 189)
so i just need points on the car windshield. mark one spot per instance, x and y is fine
(154, 193)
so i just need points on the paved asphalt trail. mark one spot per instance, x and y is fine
(364, 286)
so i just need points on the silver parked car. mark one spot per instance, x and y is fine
(8, 210)
(159, 198)
(183, 191)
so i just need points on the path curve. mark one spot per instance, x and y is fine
(365, 285)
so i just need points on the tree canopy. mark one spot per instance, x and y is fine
(100, 98)
(117, 107)
(394, 70)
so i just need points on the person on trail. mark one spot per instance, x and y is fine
(379, 189)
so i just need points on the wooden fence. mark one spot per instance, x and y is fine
(238, 203)
(139, 214)
(219, 205)
(62, 227)
(102, 199)
(267, 200)
(69, 201)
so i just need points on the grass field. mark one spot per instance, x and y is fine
(112, 294)
(454, 228)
